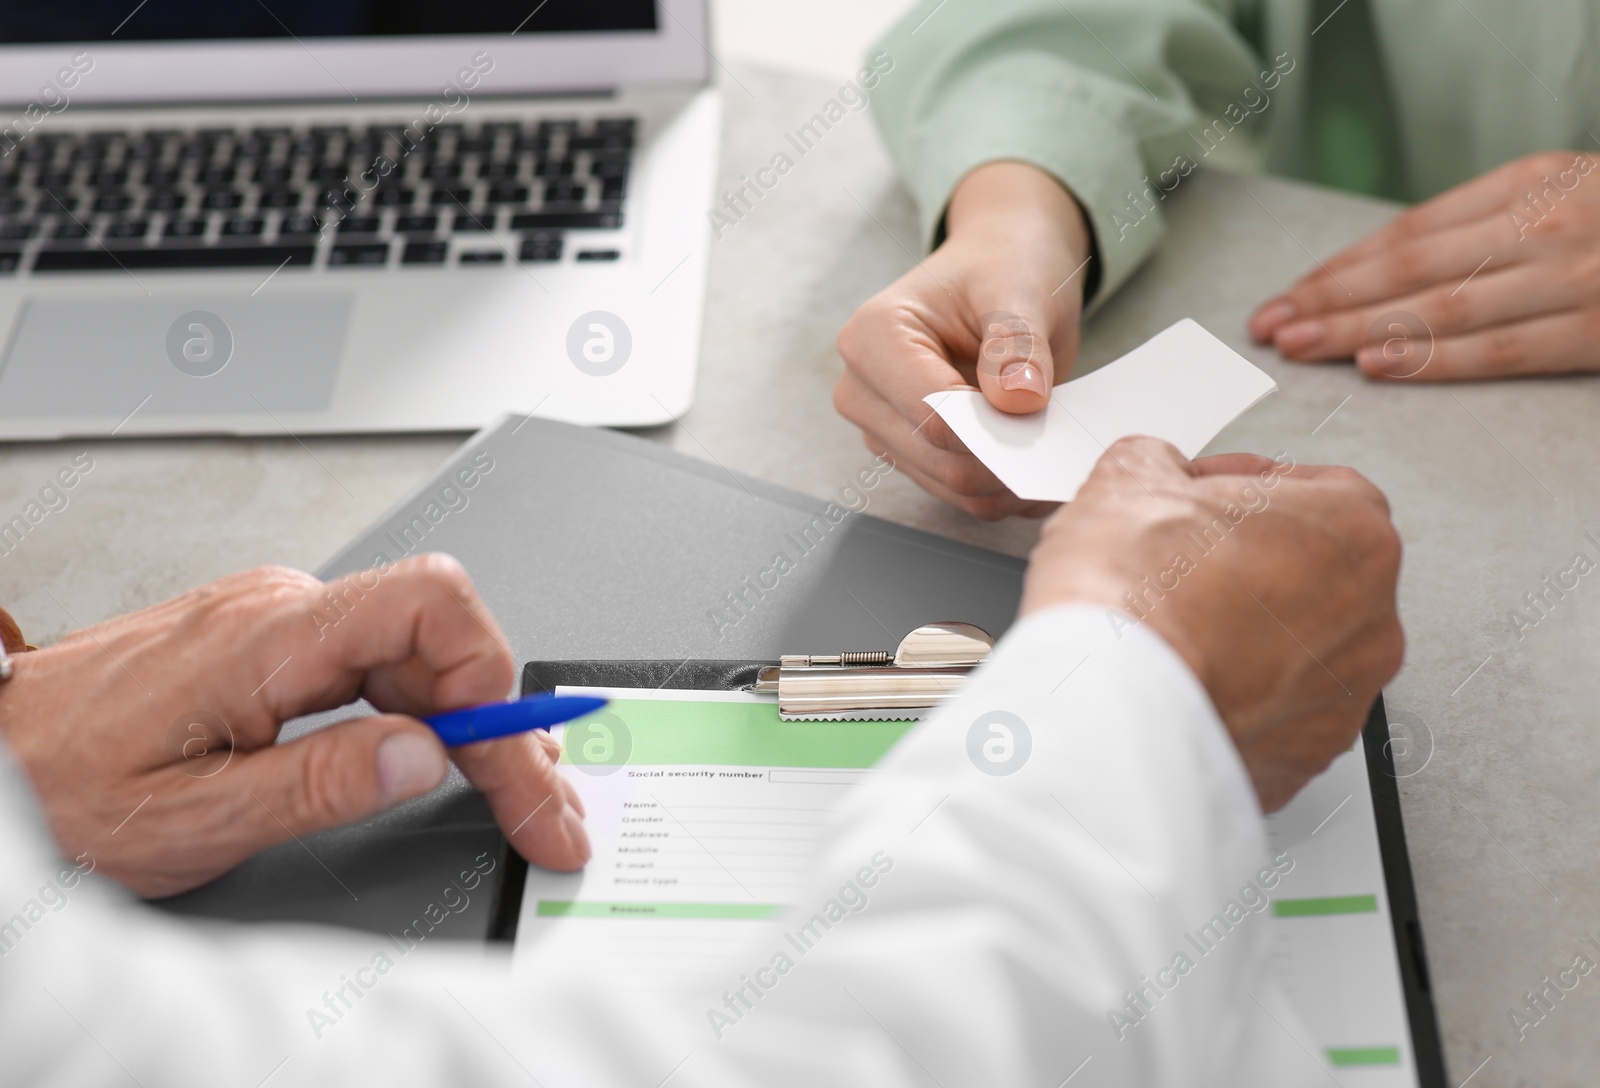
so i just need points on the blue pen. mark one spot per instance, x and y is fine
(492, 720)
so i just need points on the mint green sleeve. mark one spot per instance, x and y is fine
(1100, 93)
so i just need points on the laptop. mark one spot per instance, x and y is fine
(337, 216)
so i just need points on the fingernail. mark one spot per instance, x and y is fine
(1298, 337)
(1274, 314)
(1024, 376)
(408, 766)
(576, 835)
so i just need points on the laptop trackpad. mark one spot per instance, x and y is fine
(186, 354)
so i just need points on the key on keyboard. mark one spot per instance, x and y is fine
(217, 197)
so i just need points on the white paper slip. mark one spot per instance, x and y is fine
(1182, 385)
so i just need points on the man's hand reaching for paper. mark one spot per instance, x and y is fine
(1276, 584)
(1501, 276)
(995, 307)
(150, 738)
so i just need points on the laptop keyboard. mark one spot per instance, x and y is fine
(328, 196)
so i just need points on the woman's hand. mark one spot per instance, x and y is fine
(1496, 278)
(996, 307)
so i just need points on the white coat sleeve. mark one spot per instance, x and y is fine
(1028, 927)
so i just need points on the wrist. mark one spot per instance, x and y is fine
(1019, 201)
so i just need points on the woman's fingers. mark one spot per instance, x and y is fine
(893, 356)
(1450, 258)
(1488, 300)
(958, 471)
(1550, 344)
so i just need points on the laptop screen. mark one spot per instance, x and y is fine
(127, 52)
(38, 21)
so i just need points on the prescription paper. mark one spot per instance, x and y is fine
(1182, 385)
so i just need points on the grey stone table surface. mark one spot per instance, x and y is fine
(1493, 486)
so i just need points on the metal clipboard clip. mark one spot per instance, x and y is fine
(930, 665)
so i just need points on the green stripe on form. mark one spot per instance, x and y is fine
(1364, 1055)
(1337, 904)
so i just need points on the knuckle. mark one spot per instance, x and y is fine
(1447, 311)
(1564, 214)
(987, 507)
(1584, 271)
(1134, 445)
(845, 397)
(1351, 480)
(1543, 162)
(445, 569)
(937, 433)
(249, 594)
(1398, 230)
(965, 476)
(1382, 537)
(326, 793)
(282, 588)
(1406, 265)
(1500, 347)
(276, 579)
(1314, 293)
(848, 342)
(863, 328)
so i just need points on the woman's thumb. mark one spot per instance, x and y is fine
(1015, 370)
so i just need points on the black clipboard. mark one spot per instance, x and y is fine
(1426, 1048)
(715, 675)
